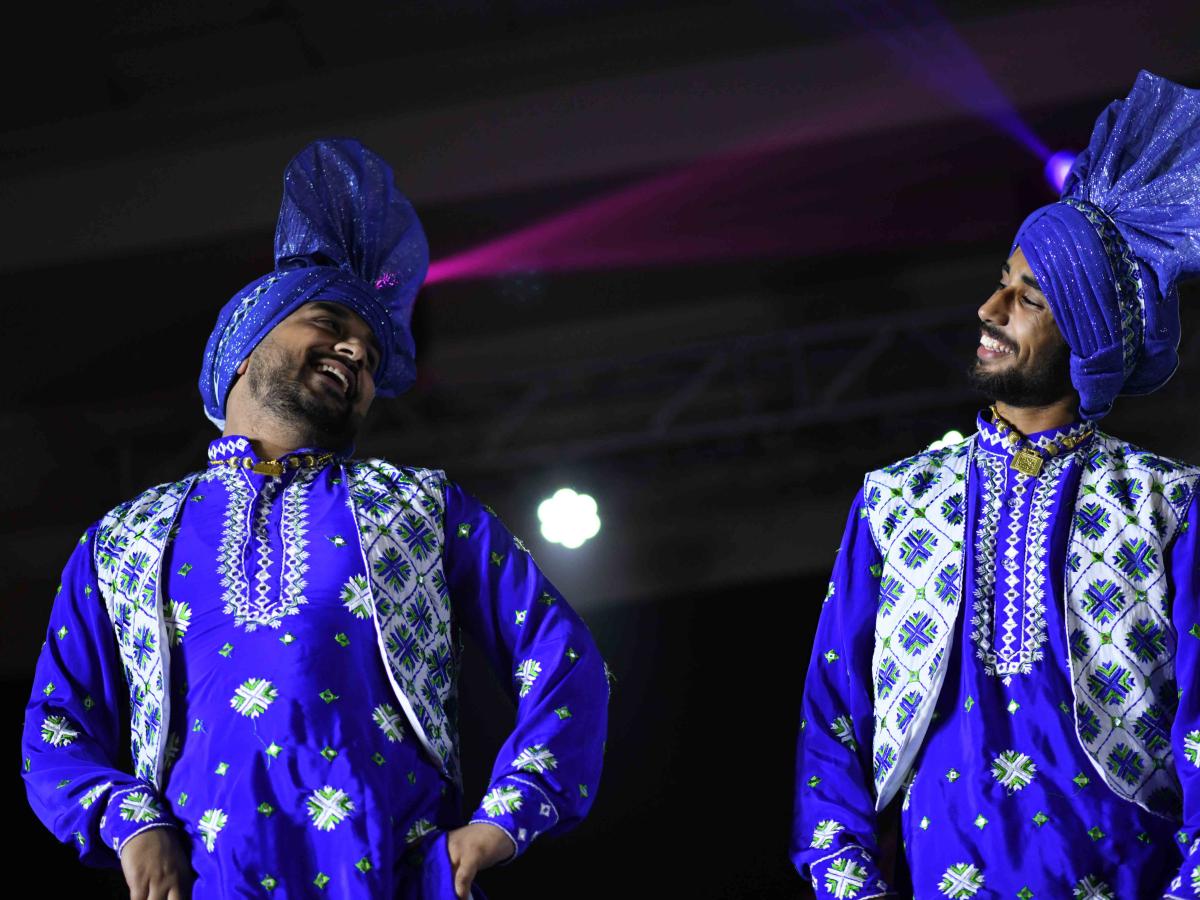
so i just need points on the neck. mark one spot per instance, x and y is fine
(270, 438)
(1032, 419)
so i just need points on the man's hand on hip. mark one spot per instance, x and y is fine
(474, 848)
(156, 866)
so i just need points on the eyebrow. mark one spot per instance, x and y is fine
(1028, 279)
(343, 314)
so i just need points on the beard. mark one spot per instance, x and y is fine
(320, 422)
(1039, 384)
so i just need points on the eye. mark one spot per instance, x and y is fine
(1030, 302)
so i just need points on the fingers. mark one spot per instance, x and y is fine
(464, 876)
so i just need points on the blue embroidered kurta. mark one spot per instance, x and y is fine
(1001, 800)
(290, 765)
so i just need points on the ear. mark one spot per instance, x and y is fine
(241, 369)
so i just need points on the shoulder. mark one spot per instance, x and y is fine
(1112, 452)
(917, 473)
(371, 479)
(1128, 471)
(149, 502)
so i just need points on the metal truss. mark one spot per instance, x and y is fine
(834, 372)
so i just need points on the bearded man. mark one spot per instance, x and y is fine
(248, 685)
(1011, 635)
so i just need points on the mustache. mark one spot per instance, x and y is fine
(997, 335)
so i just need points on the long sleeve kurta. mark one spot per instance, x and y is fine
(291, 768)
(1002, 800)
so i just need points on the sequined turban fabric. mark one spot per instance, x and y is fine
(346, 235)
(1109, 254)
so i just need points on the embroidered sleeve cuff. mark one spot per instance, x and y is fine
(132, 810)
(520, 807)
(848, 872)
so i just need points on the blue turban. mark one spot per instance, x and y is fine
(1108, 255)
(345, 235)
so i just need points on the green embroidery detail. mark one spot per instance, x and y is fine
(274, 750)
(321, 880)
(464, 530)
(327, 695)
(497, 559)
(1040, 818)
(412, 777)
(980, 821)
(342, 639)
(62, 784)
(1081, 780)
(62, 632)
(952, 776)
(184, 569)
(924, 823)
(969, 704)
(830, 656)
(266, 808)
(337, 540)
(378, 758)
(563, 712)
(183, 798)
(222, 768)
(547, 598)
(226, 650)
(814, 781)
(48, 689)
(329, 753)
(520, 616)
(1013, 706)
(1095, 833)
(571, 654)
(1025, 894)
(269, 883)
(583, 790)
(287, 638)
(363, 865)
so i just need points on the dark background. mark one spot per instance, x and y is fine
(794, 308)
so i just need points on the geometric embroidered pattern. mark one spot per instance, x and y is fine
(399, 513)
(1122, 643)
(1128, 508)
(915, 512)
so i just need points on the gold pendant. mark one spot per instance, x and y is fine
(1027, 462)
(268, 467)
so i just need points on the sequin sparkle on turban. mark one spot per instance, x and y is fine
(346, 235)
(1108, 255)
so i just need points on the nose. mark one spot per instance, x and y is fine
(353, 348)
(994, 310)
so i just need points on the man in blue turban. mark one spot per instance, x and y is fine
(1010, 642)
(274, 643)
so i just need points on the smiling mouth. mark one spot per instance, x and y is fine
(987, 342)
(335, 377)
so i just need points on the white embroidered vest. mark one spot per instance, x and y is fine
(400, 515)
(1129, 507)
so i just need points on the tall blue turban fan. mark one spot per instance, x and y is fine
(345, 235)
(1108, 255)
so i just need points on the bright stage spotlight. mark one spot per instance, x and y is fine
(950, 437)
(568, 518)
(1057, 167)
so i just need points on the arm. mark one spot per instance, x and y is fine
(547, 770)
(833, 836)
(71, 742)
(1183, 559)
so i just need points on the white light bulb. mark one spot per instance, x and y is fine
(569, 518)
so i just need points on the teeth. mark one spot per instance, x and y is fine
(993, 344)
(337, 374)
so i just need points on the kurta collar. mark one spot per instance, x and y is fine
(236, 446)
(993, 441)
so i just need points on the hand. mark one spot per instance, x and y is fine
(474, 848)
(156, 866)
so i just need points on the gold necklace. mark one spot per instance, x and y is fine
(1028, 460)
(274, 467)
